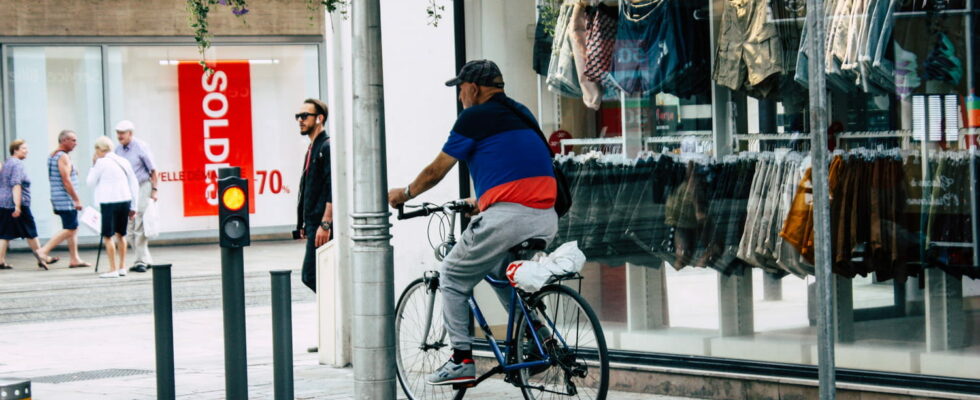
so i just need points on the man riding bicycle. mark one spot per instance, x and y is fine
(515, 185)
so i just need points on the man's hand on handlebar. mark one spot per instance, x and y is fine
(475, 208)
(397, 197)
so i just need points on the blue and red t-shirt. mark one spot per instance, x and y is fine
(507, 158)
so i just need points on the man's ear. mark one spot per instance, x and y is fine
(319, 119)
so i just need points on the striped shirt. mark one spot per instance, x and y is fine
(60, 200)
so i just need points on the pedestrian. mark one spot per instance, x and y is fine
(117, 193)
(516, 190)
(64, 198)
(314, 214)
(137, 152)
(16, 220)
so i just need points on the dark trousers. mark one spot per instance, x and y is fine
(309, 260)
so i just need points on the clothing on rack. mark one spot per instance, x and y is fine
(562, 77)
(591, 91)
(749, 53)
(756, 209)
(600, 43)
(858, 35)
(651, 50)
(769, 208)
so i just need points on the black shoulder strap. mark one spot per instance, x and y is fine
(527, 120)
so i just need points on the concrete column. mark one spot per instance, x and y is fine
(646, 297)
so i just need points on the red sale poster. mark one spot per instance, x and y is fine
(215, 130)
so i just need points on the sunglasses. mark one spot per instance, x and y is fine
(305, 115)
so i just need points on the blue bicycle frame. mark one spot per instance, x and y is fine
(515, 301)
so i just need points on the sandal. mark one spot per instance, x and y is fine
(40, 263)
(6, 266)
(82, 265)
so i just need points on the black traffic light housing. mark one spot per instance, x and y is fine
(233, 206)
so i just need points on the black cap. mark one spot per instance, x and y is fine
(480, 72)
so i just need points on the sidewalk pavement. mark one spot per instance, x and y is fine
(113, 358)
(80, 337)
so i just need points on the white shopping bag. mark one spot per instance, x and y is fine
(531, 276)
(151, 220)
(91, 218)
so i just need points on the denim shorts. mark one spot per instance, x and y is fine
(69, 219)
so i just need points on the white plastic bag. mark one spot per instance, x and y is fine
(531, 276)
(151, 220)
(91, 218)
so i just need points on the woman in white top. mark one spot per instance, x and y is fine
(116, 192)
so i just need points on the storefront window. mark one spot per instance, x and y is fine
(246, 109)
(270, 82)
(685, 133)
(51, 89)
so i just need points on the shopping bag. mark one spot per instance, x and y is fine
(151, 220)
(91, 218)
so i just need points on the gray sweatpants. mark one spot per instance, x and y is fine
(482, 250)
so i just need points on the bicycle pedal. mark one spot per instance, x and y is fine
(467, 385)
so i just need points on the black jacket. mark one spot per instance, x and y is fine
(314, 186)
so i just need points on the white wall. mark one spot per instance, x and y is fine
(419, 112)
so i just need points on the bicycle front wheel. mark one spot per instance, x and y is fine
(418, 354)
(575, 343)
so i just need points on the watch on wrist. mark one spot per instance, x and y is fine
(408, 192)
(326, 225)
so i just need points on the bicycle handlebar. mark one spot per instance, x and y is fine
(426, 209)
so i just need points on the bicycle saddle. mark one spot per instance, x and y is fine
(530, 244)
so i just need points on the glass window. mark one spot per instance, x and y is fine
(51, 89)
(250, 106)
(686, 142)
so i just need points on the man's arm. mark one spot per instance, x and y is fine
(428, 178)
(64, 167)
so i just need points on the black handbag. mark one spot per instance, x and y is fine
(563, 199)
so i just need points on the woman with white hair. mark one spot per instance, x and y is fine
(116, 192)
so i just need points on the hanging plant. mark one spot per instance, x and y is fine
(200, 9)
(434, 12)
(548, 11)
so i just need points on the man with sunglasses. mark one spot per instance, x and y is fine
(314, 214)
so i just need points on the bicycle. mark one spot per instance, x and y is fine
(571, 361)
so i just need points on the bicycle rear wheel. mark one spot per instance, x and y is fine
(577, 347)
(416, 357)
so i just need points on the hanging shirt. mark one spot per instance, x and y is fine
(650, 51)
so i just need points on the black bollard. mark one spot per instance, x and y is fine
(163, 326)
(282, 335)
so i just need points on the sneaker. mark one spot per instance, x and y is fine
(451, 373)
(113, 274)
(122, 271)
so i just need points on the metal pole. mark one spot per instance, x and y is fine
(163, 328)
(816, 15)
(371, 258)
(282, 335)
(233, 306)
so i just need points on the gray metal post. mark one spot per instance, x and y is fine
(282, 335)
(233, 307)
(815, 20)
(371, 258)
(163, 328)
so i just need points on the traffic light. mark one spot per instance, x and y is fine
(233, 211)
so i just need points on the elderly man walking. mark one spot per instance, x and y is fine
(138, 154)
(64, 198)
